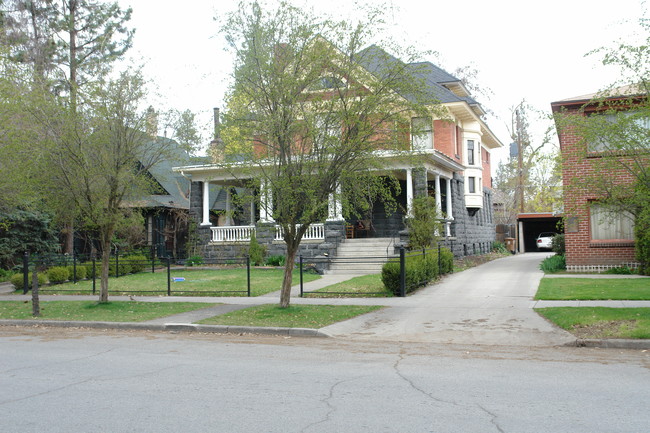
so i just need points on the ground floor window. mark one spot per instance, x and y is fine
(607, 224)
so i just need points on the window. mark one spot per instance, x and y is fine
(471, 184)
(470, 152)
(608, 225)
(618, 131)
(421, 133)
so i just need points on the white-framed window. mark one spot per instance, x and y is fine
(618, 131)
(607, 224)
(421, 133)
(470, 152)
(471, 184)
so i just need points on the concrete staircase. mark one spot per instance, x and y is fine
(361, 256)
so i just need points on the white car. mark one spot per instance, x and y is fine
(545, 240)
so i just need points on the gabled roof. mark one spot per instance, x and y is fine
(627, 91)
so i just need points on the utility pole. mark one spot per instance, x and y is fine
(520, 160)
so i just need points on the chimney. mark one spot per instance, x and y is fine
(151, 119)
(217, 144)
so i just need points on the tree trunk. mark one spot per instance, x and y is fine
(285, 293)
(36, 306)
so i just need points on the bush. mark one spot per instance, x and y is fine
(6, 274)
(58, 274)
(499, 247)
(194, 261)
(278, 260)
(138, 263)
(419, 270)
(557, 245)
(553, 264)
(80, 271)
(256, 252)
(17, 280)
(622, 270)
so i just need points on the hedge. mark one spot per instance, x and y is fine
(420, 269)
(58, 274)
(17, 280)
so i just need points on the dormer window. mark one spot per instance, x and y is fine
(421, 133)
(328, 82)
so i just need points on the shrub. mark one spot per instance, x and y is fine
(194, 261)
(6, 274)
(17, 280)
(553, 264)
(499, 247)
(622, 270)
(419, 270)
(80, 271)
(278, 260)
(88, 266)
(557, 244)
(138, 263)
(58, 274)
(256, 252)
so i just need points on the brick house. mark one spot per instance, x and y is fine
(596, 238)
(453, 166)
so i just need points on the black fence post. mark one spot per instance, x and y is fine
(402, 272)
(169, 276)
(25, 272)
(301, 288)
(117, 263)
(94, 273)
(248, 274)
(153, 259)
(74, 268)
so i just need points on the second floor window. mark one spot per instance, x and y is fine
(421, 133)
(470, 152)
(471, 184)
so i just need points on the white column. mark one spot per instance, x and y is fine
(206, 203)
(252, 211)
(228, 206)
(334, 206)
(266, 203)
(449, 208)
(438, 196)
(409, 192)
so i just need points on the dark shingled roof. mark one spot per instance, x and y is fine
(377, 61)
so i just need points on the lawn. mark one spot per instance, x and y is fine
(93, 311)
(295, 316)
(195, 282)
(594, 289)
(601, 322)
(367, 286)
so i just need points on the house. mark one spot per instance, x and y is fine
(596, 238)
(449, 160)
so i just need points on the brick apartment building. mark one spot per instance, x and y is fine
(596, 239)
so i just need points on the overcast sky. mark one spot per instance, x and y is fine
(522, 49)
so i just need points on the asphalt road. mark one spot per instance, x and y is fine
(68, 380)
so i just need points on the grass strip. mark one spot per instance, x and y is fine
(93, 311)
(601, 322)
(295, 316)
(367, 286)
(632, 289)
(218, 281)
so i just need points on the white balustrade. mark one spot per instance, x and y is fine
(232, 233)
(314, 232)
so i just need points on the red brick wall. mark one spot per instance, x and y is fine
(487, 167)
(577, 168)
(445, 136)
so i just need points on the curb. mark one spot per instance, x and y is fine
(170, 327)
(614, 343)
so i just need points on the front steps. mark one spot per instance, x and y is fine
(361, 256)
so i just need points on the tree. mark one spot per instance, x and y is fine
(617, 129)
(531, 181)
(105, 158)
(308, 109)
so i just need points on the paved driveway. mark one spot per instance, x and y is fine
(488, 304)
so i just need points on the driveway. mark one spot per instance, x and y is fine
(488, 304)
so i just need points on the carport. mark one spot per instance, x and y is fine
(530, 225)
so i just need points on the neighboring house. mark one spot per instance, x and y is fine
(596, 239)
(453, 165)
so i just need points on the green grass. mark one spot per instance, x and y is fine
(221, 281)
(594, 289)
(601, 322)
(366, 285)
(295, 316)
(93, 311)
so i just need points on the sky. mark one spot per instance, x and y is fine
(533, 50)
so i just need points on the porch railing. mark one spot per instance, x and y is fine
(314, 232)
(232, 233)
